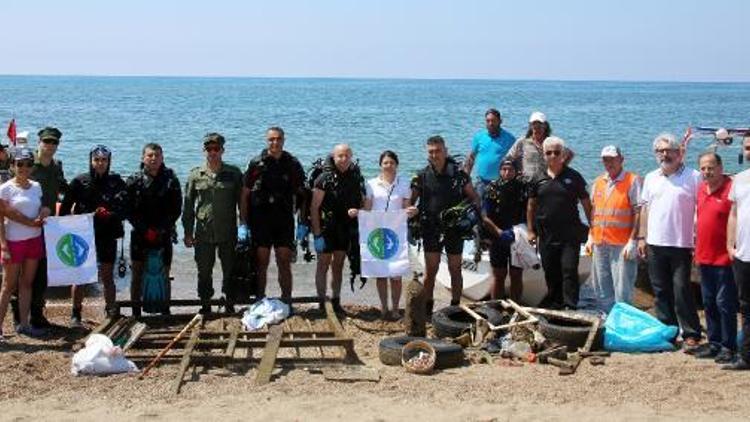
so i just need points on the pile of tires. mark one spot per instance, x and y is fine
(448, 355)
(452, 321)
(569, 333)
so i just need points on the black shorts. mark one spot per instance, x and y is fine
(139, 249)
(500, 254)
(273, 230)
(452, 243)
(339, 237)
(106, 251)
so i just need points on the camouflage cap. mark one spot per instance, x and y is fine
(50, 132)
(213, 137)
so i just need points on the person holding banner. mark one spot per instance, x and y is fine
(388, 192)
(103, 193)
(337, 195)
(21, 244)
(155, 203)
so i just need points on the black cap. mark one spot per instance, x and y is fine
(213, 137)
(50, 132)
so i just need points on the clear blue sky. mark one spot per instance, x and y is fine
(686, 40)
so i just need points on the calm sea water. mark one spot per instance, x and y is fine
(371, 115)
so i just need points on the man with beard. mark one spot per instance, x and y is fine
(667, 231)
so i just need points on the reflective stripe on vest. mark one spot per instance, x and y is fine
(613, 214)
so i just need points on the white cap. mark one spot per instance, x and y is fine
(611, 151)
(537, 116)
(721, 134)
(23, 135)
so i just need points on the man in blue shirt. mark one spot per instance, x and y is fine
(488, 148)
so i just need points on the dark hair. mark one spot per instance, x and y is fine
(276, 129)
(716, 156)
(214, 137)
(494, 112)
(547, 130)
(388, 154)
(152, 146)
(436, 140)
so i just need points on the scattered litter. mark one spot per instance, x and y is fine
(265, 312)
(100, 357)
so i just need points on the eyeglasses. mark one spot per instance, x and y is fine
(25, 163)
(212, 148)
(50, 141)
(554, 152)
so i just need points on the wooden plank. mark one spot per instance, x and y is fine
(170, 333)
(269, 355)
(195, 321)
(351, 373)
(135, 333)
(234, 334)
(103, 326)
(309, 325)
(255, 343)
(185, 363)
(338, 330)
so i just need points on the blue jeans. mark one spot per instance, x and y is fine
(720, 302)
(669, 271)
(612, 279)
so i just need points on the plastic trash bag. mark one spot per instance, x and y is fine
(628, 329)
(522, 254)
(100, 357)
(264, 312)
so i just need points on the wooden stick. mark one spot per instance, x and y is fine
(270, 352)
(193, 322)
(185, 363)
(563, 315)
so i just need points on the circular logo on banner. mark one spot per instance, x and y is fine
(382, 243)
(72, 250)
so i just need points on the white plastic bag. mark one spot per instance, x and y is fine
(100, 357)
(522, 254)
(266, 311)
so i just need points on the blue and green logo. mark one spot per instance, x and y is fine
(72, 250)
(382, 243)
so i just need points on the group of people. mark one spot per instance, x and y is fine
(674, 211)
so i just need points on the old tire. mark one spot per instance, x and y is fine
(452, 321)
(569, 333)
(449, 355)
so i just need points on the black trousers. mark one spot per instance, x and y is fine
(560, 264)
(669, 271)
(742, 277)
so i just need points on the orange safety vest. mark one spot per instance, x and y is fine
(613, 214)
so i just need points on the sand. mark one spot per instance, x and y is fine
(36, 383)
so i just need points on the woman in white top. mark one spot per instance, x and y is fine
(388, 192)
(21, 241)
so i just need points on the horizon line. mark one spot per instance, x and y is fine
(384, 78)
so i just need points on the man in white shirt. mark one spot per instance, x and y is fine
(668, 202)
(738, 245)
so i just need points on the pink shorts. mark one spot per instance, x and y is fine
(21, 250)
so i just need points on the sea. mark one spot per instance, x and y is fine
(371, 115)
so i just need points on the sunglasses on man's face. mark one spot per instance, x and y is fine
(554, 152)
(49, 141)
(212, 148)
(25, 163)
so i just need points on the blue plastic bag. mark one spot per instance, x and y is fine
(628, 329)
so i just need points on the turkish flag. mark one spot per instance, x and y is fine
(12, 131)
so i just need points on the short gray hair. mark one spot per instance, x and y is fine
(670, 139)
(553, 141)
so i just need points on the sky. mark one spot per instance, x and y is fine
(685, 40)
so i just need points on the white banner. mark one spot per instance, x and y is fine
(383, 243)
(71, 251)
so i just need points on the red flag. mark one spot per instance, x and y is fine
(12, 131)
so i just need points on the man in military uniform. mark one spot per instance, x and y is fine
(273, 184)
(49, 173)
(155, 205)
(209, 218)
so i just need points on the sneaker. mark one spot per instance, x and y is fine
(739, 364)
(75, 319)
(336, 303)
(2, 338)
(724, 356)
(30, 331)
(706, 351)
(41, 322)
(205, 310)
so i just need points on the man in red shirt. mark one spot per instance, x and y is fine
(717, 281)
